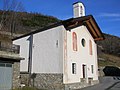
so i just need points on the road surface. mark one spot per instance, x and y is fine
(106, 83)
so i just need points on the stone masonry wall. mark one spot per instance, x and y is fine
(24, 78)
(81, 84)
(48, 81)
(44, 81)
(16, 75)
(100, 71)
(54, 82)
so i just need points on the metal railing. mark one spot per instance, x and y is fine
(13, 48)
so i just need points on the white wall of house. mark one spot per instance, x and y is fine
(24, 52)
(48, 51)
(80, 57)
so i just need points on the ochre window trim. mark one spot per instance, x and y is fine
(74, 40)
(90, 47)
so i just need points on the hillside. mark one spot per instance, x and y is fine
(108, 50)
(23, 22)
(108, 60)
(110, 45)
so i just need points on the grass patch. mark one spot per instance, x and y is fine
(28, 88)
(109, 60)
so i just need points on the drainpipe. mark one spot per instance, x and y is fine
(30, 58)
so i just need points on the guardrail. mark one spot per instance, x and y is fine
(13, 48)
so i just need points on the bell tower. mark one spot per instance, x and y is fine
(78, 9)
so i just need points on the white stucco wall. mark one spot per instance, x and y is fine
(80, 57)
(24, 52)
(48, 51)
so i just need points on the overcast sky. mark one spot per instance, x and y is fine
(105, 12)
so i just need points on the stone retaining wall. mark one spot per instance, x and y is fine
(16, 75)
(54, 82)
(80, 85)
(100, 71)
(49, 81)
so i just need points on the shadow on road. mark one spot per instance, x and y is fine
(111, 71)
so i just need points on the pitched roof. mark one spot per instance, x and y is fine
(71, 23)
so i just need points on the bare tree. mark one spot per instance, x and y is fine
(9, 15)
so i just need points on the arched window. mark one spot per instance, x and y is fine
(74, 37)
(81, 10)
(83, 42)
(90, 47)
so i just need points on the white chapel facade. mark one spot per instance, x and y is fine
(67, 48)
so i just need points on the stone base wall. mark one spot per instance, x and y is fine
(80, 85)
(24, 78)
(16, 75)
(55, 82)
(49, 81)
(100, 71)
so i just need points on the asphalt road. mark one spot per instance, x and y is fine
(106, 83)
(116, 86)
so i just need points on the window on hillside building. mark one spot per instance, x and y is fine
(0, 44)
(83, 42)
(8, 65)
(2, 64)
(81, 12)
(74, 37)
(57, 43)
(90, 47)
(73, 68)
(92, 69)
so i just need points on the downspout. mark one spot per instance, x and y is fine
(30, 58)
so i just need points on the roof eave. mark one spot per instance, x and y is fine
(88, 21)
(94, 29)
